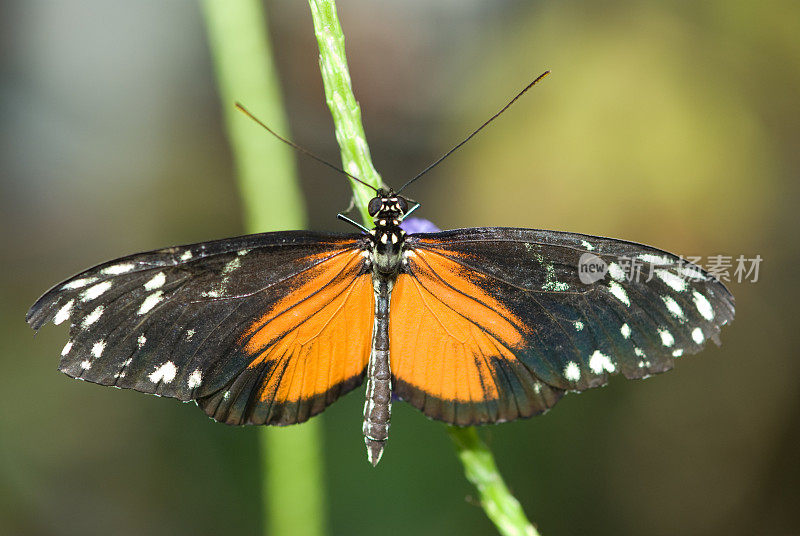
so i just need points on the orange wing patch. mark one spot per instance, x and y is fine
(318, 336)
(446, 331)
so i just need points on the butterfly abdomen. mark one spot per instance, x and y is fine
(378, 406)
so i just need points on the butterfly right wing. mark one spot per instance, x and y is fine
(503, 325)
(250, 327)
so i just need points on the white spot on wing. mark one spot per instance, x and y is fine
(186, 255)
(97, 349)
(63, 313)
(697, 335)
(587, 245)
(151, 301)
(157, 281)
(677, 353)
(231, 266)
(671, 280)
(195, 379)
(118, 269)
(655, 259)
(578, 326)
(86, 364)
(67, 348)
(79, 283)
(189, 334)
(616, 273)
(690, 271)
(703, 305)
(626, 331)
(243, 252)
(558, 286)
(93, 317)
(164, 374)
(666, 337)
(619, 292)
(638, 352)
(141, 340)
(95, 291)
(572, 372)
(600, 362)
(673, 307)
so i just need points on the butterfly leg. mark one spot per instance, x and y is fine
(378, 406)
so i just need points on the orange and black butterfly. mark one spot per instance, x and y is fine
(470, 326)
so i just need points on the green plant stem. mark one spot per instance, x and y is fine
(480, 469)
(291, 457)
(246, 73)
(342, 103)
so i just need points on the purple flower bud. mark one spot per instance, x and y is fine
(418, 225)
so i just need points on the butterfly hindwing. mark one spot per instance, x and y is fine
(510, 327)
(180, 322)
(453, 357)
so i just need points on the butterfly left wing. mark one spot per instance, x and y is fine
(252, 328)
(502, 326)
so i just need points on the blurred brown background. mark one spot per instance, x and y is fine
(670, 123)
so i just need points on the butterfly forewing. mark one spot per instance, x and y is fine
(180, 322)
(512, 326)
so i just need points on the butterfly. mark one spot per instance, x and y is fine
(469, 326)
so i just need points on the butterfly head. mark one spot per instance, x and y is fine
(387, 205)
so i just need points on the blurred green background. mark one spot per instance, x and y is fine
(670, 123)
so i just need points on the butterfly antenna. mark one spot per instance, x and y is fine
(465, 140)
(301, 149)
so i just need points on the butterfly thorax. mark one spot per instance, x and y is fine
(387, 237)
